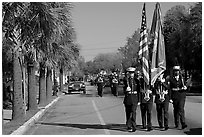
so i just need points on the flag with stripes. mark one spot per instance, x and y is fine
(143, 48)
(158, 65)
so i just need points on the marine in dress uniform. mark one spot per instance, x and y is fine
(132, 99)
(162, 96)
(100, 84)
(178, 97)
(114, 81)
(146, 106)
(110, 81)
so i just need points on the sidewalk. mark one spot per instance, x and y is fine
(7, 116)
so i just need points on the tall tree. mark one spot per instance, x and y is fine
(42, 25)
(182, 31)
(173, 23)
(12, 34)
(195, 20)
(130, 50)
(64, 38)
(42, 83)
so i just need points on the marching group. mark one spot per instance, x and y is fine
(170, 89)
(113, 82)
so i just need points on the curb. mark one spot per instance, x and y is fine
(22, 129)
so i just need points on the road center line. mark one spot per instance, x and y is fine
(100, 117)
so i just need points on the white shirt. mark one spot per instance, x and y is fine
(177, 78)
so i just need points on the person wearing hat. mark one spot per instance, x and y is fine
(112, 75)
(178, 96)
(162, 101)
(100, 84)
(132, 98)
(146, 106)
(114, 82)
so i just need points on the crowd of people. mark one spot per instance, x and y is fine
(166, 90)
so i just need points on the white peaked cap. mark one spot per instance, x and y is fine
(176, 67)
(131, 69)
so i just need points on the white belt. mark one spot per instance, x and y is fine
(165, 92)
(176, 89)
(132, 92)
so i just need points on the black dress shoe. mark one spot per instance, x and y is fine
(134, 129)
(144, 127)
(129, 129)
(166, 128)
(176, 126)
(149, 129)
(184, 126)
(161, 127)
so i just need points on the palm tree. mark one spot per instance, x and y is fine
(44, 25)
(31, 30)
(67, 59)
(50, 52)
(12, 34)
(42, 84)
(63, 50)
(30, 27)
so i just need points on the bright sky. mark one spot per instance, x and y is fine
(103, 27)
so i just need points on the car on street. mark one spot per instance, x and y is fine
(76, 84)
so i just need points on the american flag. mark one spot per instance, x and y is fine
(143, 48)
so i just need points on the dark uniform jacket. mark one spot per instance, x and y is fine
(132, 97)
(174, 84)
(100, 81)
(142, 96)
(165, 88)
(114, 80)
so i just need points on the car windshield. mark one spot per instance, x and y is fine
(74, 79)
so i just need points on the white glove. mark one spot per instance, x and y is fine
(138, 103)
(184, 88)
(171, 101)
(162, 80)
(149, 91)
(128, 89)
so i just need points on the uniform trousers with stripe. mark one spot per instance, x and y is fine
(162, 113)
(131, 115)
(146, 113)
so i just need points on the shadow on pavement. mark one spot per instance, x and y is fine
(119, 127)
(194, 131)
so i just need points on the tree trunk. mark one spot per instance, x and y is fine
(24, 88)
(42, 85)
(55, 88)
(48, 85)
(32, 95)
(61, 79)
(17, 108)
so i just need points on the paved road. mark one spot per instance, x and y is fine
(79, 114)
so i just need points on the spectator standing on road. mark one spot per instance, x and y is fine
(162, 102)
(146, 106)
(100, 84)
(178, 96)
(132, 99)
